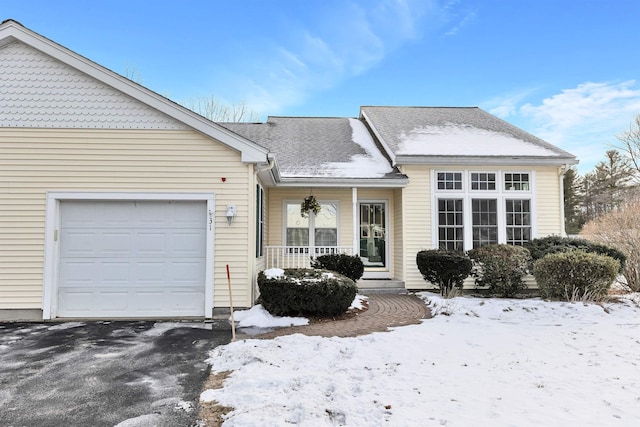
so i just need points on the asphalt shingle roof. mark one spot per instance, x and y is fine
(308, 147)
(454, 131)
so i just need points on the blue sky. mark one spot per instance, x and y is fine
(564, 70)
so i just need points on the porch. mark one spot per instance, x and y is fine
(301, 256)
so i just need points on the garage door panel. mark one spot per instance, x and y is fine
(132, 259)
(185, 216)
(159, 302)
(186, 244)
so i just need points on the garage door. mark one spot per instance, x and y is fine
(132, 259)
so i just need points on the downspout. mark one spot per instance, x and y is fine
(561, 171)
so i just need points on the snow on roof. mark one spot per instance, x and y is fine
(454, 131)
(456, 139)
(319, 147)
(370, 164)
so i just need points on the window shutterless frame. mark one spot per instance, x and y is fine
(489, 214)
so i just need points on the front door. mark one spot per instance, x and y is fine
(373, 235)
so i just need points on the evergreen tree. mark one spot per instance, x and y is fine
(607, 186)
(573, 216)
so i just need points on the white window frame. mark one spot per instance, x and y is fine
(311, 220)
(467, 194)
(504, 180)
(470, 183)
(435, 180)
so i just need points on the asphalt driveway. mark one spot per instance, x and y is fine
(135, 373)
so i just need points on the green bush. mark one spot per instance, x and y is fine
(502, 268)
(575, 274)
(554, 244)
(347, 265)
(306, 292)
(445, 269)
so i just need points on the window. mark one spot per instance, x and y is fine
(449, 180)
(483, 181)
(313, 230)
(450, 228)
(326, 226)
(516, 181)
(484, 213)
(518, 214)
(474, 208)
(260, 214)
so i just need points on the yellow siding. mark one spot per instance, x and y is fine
(34, 161)
(549, 204)
(416, 209)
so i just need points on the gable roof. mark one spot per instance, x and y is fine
(456, 135)
(11, 31)
(310, 150)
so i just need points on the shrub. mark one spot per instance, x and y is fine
(502, 268)
(445, 269)
(620, 228)
(306, 292)
(347, 265)
(554, 244)
(572, 275)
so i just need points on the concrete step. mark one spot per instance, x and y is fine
(381, 286)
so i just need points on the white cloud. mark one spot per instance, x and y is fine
(583, 120)
(507, 105)
(339, 45)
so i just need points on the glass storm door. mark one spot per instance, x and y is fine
(373, 244)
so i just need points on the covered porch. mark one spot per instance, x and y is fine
(352, 221)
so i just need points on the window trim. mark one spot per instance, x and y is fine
(496, 182)
(514, 192)
(454, 190)
(500, 194)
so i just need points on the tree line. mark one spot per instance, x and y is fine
(607, 188)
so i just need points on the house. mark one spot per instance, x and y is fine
(116, 202)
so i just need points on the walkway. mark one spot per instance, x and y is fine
(385, 311)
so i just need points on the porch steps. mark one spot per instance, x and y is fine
(381, 286)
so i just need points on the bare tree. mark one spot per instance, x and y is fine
(133, 74)
(620, 228)
(630, 145)
(217, 111)
(209, 107)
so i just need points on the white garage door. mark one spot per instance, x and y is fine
(132, 259)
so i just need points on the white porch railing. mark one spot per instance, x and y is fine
(300, 256)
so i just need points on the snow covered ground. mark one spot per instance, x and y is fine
(478, 362)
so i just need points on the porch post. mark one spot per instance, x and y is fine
(356, 232)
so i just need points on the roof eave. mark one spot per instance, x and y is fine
(484, 160)
(343, 182)
(250, 152)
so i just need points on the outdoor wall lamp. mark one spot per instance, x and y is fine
(231, 212)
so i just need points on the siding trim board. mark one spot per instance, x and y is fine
(52, 242)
